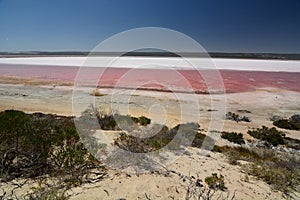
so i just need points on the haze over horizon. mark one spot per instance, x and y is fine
(219, 26)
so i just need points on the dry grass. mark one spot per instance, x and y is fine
(280, 171)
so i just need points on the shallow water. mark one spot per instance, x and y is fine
(201, 81)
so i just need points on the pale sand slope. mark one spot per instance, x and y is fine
(173, 186)
(262, 103)
(161, 185)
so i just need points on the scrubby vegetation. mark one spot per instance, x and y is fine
(281, 171)
(233, 137)
(143, 121)
(234, 154)
(215, 182)
(278, 170)
(36, 145)
(41, 145)
(282, 174)
(213, 189)
(270, 135)
(163, 136)
(293, 123)
(236, 117)
(110, 120)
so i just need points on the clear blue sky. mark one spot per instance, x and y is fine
(218, 25)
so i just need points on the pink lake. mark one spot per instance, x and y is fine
(158, 79)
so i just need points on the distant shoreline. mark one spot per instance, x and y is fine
(259, 56)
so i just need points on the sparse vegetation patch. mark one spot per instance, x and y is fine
(162, 137)
(215, 182)
(236, 117)
(281, 171)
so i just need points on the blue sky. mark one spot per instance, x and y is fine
(218, 25)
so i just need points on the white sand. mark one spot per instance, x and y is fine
(159, 63)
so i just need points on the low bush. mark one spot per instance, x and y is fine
(110, 121)
(215, 182)
(197, 190)
(293, 123)
(143, 121)
(162, 137)
(235, 117)
(143, 145)
(33, 145)
(283, 123)
(295, 119)
(233, 137)
(270, 135)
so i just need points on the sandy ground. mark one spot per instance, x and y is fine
(169, 109)
(174, 186)
(162, 185)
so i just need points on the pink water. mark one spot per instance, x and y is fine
(154, 79)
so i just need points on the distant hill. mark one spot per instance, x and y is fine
(272, 56)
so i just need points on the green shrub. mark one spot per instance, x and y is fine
(233, 137)
(270, 135)
(109, 120)
(197, 190)
(144, 145)
(283, 123)
(293, 123)
(23, 144)
(135, 120)
(143, 121)
(215, 182)
(295, 119)
(235, 117)
(162, 138)
(33, 145)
